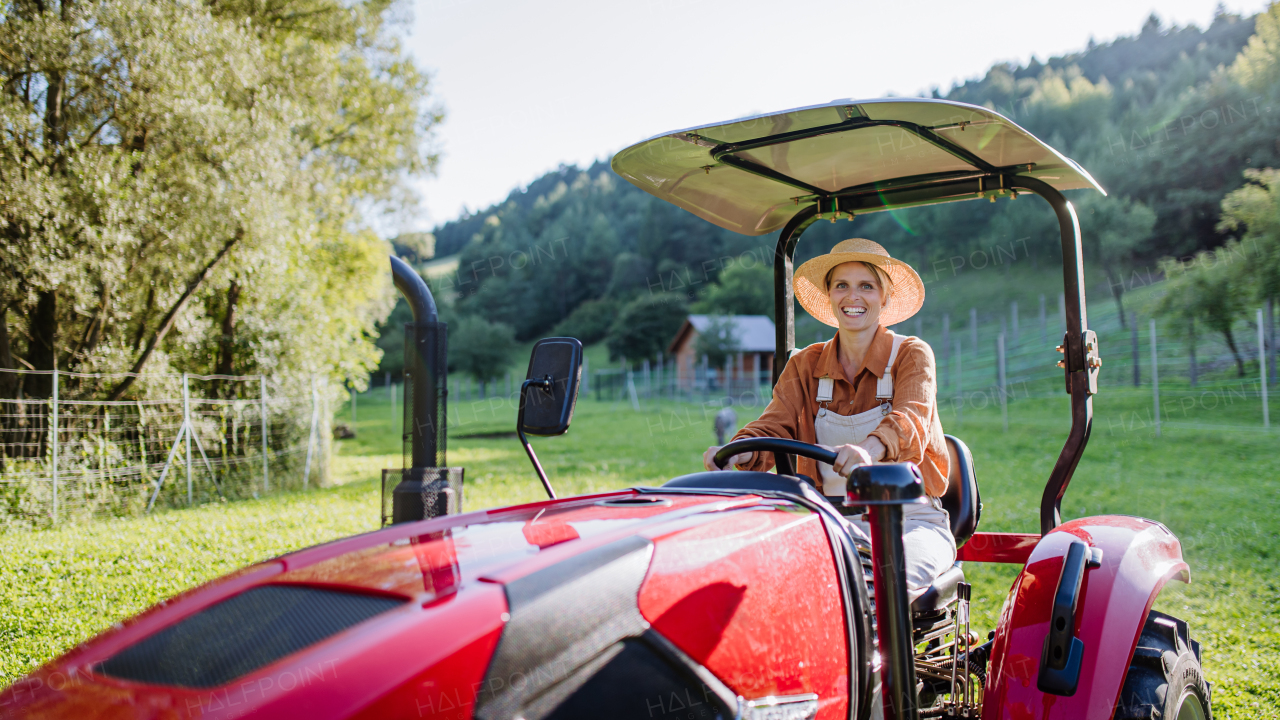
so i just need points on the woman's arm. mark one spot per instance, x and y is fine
(874, 448)
(903, 434)
(780, 418)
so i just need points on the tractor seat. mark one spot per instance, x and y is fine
(964, 508)
(962, 501)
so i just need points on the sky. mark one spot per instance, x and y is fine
(527, 86)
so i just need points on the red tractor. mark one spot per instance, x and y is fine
(720, 594)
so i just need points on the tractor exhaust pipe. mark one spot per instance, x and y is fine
(414, 290)
(420, 372)
(423, 487)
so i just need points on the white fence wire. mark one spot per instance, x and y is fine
(65, 456)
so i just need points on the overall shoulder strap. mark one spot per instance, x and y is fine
(826, 388)
(884, 386)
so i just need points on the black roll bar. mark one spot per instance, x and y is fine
(784, 308)
(1080, 345)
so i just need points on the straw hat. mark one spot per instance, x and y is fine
(810, 282)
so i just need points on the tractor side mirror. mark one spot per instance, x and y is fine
(548, 395)
(550, 389)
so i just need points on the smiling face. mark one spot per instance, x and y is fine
(857, 296)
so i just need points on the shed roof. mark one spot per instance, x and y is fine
(754, 333)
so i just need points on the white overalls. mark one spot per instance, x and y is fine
(926, 530)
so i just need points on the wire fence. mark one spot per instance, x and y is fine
(1154, 374)
(192, 439)
(998, 356)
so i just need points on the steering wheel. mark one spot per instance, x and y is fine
(774, 445)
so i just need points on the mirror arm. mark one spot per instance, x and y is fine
(546, 385)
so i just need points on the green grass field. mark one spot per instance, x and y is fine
(1218, 490)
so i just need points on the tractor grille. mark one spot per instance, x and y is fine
(241, 634)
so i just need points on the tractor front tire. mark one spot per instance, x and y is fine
(1165, 681)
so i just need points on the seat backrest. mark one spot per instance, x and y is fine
(962, 500)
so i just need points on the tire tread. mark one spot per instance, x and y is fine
(1164, 645)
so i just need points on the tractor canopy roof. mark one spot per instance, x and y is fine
(753, 174)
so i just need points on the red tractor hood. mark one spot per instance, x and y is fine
(429, 607)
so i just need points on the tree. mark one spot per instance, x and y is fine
(740, 290)
(719, 341)
(1253, 211)
(480, 348)
(181, 185)
(631, 276)
(391, 336)
(1211, 287)
(1257, 67)
(415, 247)
(646, 325)
(1110, 230)
(590, 321)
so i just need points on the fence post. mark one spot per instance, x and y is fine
(1262, 369)
(631, 391)
(1271, 337)
(622, 380)
(973, 329)
(1155, 378)
(946, 343)
(1133, 336)
(186, 420)
(311, 437)
(1192, 368)
(386, 381)
(324, 436)
(1004, 331)
(53, 441)
(1044, 328)
(262, 392)
(1004, 398)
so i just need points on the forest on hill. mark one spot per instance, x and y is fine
(1167, 119)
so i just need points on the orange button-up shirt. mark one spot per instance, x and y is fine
(911, 432)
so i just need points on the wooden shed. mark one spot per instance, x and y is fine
(752, 365)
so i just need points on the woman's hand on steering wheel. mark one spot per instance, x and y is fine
(709, 458)
(849, 457)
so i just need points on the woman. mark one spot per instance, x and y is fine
(868, 394)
